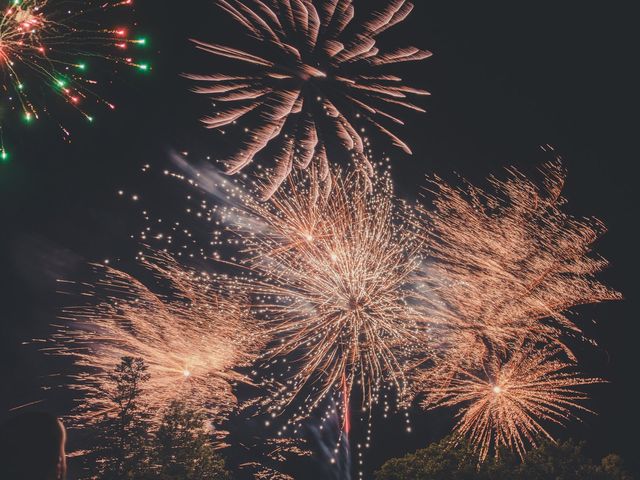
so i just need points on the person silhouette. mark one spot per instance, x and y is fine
(32, 447)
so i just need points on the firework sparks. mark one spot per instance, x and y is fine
(503, 402)
(50, 44)
(319, 78)
(191, 339)
(333, 279)
(507, 266)
(359, 295)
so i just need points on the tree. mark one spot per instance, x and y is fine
(439, 461)
(128, 449)
(183, 449)
(446, 460)
(561, 461)
(613, 466)
(123, 435)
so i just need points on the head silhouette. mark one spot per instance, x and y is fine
(32, 448)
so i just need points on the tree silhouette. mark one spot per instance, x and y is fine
(183, 448)
(447, 460)
(123, 433)
(128, 448)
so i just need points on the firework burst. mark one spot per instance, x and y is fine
(47, 45)
(504, 401)
(506, 266)
(333, 279)
(192, 339)
(319, 78)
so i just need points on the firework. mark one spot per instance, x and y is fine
(506, 266)
(319, 78)
(504, 401)
(192, 339)
(48, 46)
(332, 277)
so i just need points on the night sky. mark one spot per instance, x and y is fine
(505, 78)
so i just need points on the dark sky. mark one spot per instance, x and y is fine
(506, 77)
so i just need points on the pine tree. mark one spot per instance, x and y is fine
(183, 448)
(123, 435)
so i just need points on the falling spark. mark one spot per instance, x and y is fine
(319, 78)
(26, 405)
(506, 266)
(504, 402)
(192, 339)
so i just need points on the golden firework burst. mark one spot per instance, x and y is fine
(506, 266)
(504, 401)
(333, 277)
(192, 338)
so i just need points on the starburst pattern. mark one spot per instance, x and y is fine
(192, 339)
(332, 277)
(319, 79)
(506, 266)
(504, 402)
